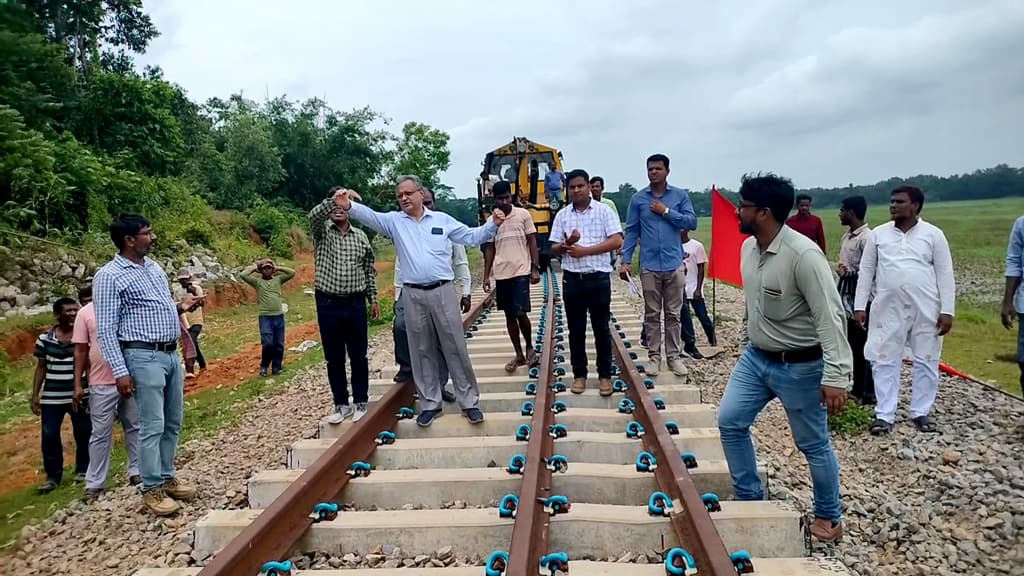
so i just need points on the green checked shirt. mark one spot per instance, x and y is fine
(344, 262)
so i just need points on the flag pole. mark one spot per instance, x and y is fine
(714, 298)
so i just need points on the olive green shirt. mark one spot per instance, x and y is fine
(793, 303)
(268, 292)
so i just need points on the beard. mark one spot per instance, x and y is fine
(746, 228)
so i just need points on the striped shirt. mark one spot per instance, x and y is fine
(133, 304)
(59, 382)
(596, 223)
(344, 262)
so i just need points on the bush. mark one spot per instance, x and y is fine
(268, 222)
(853, 419)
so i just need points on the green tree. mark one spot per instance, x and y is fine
(422, 151)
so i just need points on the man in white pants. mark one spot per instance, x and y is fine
(908, 263)
(105, 402)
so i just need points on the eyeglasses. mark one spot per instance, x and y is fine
(747, 205)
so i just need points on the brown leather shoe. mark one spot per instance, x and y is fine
(605, 388)
(826, 530)
(159, 503)
(179, 491)
(578, 386)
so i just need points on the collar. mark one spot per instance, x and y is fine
(334, 225)
(773, 247)
(590, 204)
(668, 188)
(426, 213)
(858, 231)
(126, 263)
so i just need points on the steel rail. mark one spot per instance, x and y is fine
(530, 532)
(271, 536)
(690, 519)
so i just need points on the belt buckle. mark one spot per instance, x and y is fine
(782, 356)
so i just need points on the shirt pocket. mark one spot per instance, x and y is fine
(773, 303)
(437, 243)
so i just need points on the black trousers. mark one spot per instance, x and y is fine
(194, 331)
(343, 329)
(863, 381)
(582, 294)
(53, 448)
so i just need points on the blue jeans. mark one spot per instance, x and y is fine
(272, 340)
(159, 395)
(1020, 350)
(754, 382)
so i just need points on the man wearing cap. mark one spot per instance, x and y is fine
(193, 317)
(267, 278)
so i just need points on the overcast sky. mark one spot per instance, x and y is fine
(826, 93)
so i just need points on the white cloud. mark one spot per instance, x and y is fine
(826, 93)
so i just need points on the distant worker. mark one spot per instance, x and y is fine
(268, 278)
(432, 313)
(193, 317)
(345, 285)
(908, 266)
(852, 211)
(806, 223)
(583, 235)
(513, 261)
(1013, 295)
(597, 193)
(554, 182)
(654, 219)
(53, 396)
(105, 402)
(463, 282)
(797, 352)
(139, 329)
(695, 262)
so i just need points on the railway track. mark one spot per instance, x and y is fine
(632, 484)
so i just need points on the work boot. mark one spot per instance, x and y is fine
(692, 351)
(159, 503)
(578, 386)
(179, 491)
(605, 387)
(826, 530)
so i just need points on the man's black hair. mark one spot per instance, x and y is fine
(59, 305)
(658, 158)
(914, 193)
(769, 191)
(501, 188)
(801, 197)
(84, 291)
(856, 204)
(597, 179)
(577, 173)
(126, 225)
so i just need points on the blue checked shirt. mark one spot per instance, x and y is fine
(133, 304)
(1015, 261)
(660, 248)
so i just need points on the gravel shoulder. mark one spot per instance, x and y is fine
(943, 504)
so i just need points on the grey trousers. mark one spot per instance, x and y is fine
(663, 292)
(402, 356)
(433, 319)
(105, 402)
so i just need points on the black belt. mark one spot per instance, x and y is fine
(430, 286)
(329, 296)
(584, 275)
(793, 356)
(155, 346)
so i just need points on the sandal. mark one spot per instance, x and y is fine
(532, 359)
(925, 425)
(880, 427)
(513, 364)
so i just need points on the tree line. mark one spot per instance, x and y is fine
(84, 135)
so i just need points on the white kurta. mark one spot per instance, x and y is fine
(912, 274)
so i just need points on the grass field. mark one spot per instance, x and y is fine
(977, 232)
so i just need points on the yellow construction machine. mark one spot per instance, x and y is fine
(523, 163)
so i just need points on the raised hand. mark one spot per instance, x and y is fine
(343, 198)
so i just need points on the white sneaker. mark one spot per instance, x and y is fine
(677, 367)
(359, 412)
(341, 411)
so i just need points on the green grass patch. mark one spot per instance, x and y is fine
(854, 418)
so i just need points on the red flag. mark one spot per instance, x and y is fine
(726, 240)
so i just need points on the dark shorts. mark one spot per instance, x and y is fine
(513, 295)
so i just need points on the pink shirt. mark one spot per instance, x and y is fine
(100, 373)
